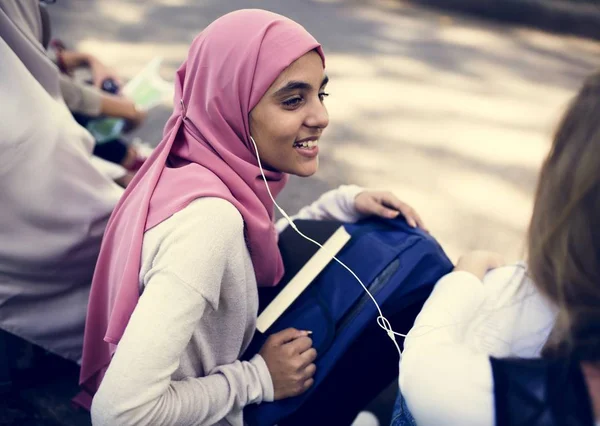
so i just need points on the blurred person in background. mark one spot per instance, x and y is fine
(55, 197)
(95, 99)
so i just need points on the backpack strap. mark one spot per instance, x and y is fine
(540, 392)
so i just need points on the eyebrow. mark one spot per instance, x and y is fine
(298, 85)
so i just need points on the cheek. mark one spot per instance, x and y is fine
(275, 129)
(284, 128)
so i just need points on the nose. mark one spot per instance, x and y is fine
(317, 117)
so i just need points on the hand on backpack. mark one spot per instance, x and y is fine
(479, 262)
(386, 204)
(289, 356)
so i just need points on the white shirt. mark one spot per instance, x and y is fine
(445, 372)
(177, 363)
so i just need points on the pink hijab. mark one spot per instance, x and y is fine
(205, 152)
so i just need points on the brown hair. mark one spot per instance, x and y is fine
(564, 234)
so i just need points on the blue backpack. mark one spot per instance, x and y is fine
(398, 264)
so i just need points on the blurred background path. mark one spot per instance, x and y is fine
(451, 113)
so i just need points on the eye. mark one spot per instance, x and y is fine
(292, 103)
(323, 95)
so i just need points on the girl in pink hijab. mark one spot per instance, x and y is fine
(174, 298)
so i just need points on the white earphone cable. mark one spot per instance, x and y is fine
(382, 321)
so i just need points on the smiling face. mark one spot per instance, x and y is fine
(288, 121)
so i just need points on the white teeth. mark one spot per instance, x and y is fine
(308, 144)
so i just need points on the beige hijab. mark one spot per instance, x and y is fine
(54, 204)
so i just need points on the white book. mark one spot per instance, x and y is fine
(305, 276)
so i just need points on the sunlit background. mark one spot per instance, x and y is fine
(453, 114)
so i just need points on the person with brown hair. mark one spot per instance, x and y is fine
(517, 345)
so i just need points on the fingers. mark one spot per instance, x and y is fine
(304, 372)
(297, 390)
(310, 370)
(411, 216)
(308, 384)
(373, 203)
(383, 211)
(308, 356)
(306, 379)
(287, 335)
(100, 73)
(300, 345)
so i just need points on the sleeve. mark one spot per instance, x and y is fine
(445, 372)
(51, 53)
(111, 170)
(138, 388)
(337, 204)
(443, 381)
(515, 320)
(80, 97)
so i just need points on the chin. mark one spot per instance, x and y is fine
(305, 170)
(305, 173)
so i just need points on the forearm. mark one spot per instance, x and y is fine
(72, 59)
(134, 399)
(79, 97)
(117, 106)
(138, 387)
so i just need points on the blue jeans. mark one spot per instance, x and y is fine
(402, 416)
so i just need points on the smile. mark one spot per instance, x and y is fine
(306, 144)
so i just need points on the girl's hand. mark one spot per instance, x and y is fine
(386, 204)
